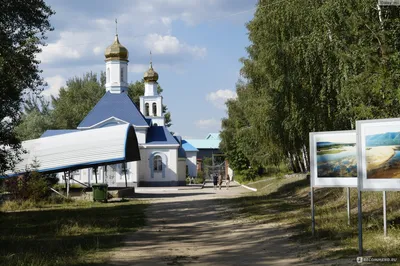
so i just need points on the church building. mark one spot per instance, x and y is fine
(163, 159)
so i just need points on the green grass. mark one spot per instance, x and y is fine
(70, 233)
(285, 201)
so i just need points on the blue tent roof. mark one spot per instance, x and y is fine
(204, 143)
(160, 135)
(118, 105)
(55, 132)
(187, 146)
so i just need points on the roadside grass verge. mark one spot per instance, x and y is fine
(70, 233)
(286, 203)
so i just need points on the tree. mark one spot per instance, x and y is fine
(77, 99)
(36, 119)
(136, 90)
(23, 26)
(311, 66)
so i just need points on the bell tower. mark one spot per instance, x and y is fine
(151, 102)
(116, 66)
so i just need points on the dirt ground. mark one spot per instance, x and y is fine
(190, 226)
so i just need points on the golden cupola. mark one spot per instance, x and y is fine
(150, 75)
(116, 51)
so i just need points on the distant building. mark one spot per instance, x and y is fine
(208, 147)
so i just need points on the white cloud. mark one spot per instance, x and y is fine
(138, 68)
(54, 84)
(169, 44)
(98, 50)
(208, 123)
(218, 98)
(64, 48)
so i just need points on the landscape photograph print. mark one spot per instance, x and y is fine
(336, 155)
(382, 145)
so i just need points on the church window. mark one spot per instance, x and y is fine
(146, 109)
(157, 163)
(108, 75)
(122, 74)
(155, 124)
(154, 109)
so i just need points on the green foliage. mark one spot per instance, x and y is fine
(311, 66)
(77, 99)
(22, 31)
(36, 119)
(200, 178)
(32, 186)
(207, 161)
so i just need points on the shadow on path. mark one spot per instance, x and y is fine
(198, 229)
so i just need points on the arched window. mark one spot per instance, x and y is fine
(154, 109)
(122, 74)
(155, 124)
(108, 75)
(146, 109)
(157, 163)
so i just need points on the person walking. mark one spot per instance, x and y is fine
(215, 180)
(219, 181)
(228, 180)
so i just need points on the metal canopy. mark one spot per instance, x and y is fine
(79, 150)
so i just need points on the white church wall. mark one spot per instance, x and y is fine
(182, 170)
(147, 177)
(191, 162)
(159, 106)
(141, 135)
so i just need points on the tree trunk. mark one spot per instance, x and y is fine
(299, 163)
(291, 162)
(305, 158)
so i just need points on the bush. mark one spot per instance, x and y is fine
(30, 186)
(247, 175)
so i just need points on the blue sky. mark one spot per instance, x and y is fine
(196, 46)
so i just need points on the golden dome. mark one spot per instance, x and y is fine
(150, 75)
(116, 51)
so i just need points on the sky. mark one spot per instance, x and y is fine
(196, 46)
(337, 137)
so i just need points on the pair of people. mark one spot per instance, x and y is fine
(217, 180)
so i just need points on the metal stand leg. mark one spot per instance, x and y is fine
(348, 206)
(312, 212)
(384, 215)
(360, 244)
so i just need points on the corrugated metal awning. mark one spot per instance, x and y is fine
(79, 150)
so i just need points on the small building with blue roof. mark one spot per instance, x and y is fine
(164, 157)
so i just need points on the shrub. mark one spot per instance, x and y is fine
(247, 174)
(30, 186)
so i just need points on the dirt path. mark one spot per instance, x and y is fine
(191, 227)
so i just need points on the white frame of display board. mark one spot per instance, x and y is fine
(328, 181)
(376, 184)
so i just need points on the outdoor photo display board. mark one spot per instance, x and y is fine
(333, 159)
(379, 154)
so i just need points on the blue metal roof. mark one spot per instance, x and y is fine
(181, 153)
(213, 136)
(204, 143)
(160, 135)
(187, 146)
(55, 132)
(117, 105)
